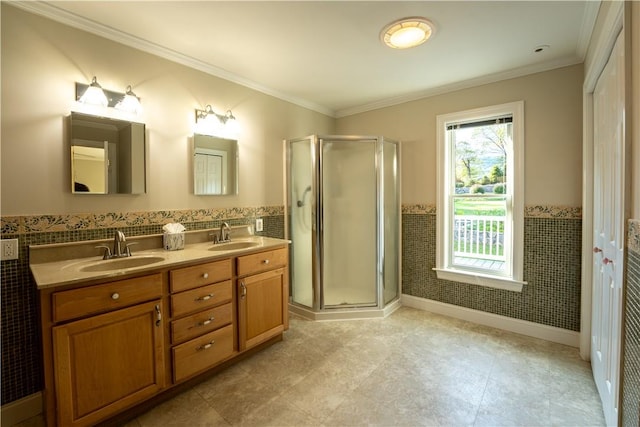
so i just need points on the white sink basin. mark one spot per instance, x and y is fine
(233, 246)
(119, 263)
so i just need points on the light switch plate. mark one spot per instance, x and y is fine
(8, 249)
(259, 224)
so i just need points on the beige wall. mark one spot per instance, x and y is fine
(42, 60)
(553, 134)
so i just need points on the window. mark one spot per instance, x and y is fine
(481, 196)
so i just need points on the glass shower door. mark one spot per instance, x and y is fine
(349, 218)
(302, 230)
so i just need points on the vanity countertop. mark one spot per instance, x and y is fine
(51, 271)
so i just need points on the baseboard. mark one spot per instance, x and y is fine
(22, 409)
(536, 330)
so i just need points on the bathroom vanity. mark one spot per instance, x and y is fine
(120, 332)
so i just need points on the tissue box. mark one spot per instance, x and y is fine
(173, 241)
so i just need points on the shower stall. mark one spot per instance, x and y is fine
(343, 219)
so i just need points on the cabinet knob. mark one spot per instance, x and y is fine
(596, 250)
(266, 261)
(607, 261)
(205, 276)
(115, 296)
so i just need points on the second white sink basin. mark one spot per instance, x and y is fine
(121, 263)
(232, 246)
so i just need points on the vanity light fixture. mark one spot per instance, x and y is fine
(129, 102)
(407, 32)
(102, 101)
(93, 94)
(209, 122)
(208, 111)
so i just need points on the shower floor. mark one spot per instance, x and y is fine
(343, 295)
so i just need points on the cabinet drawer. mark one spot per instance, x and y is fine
(109, 296)
(202, 353)
(198, 275)
(262, 261)
(200, 298)
(201, 323)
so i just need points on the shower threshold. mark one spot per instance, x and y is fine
(351, 313)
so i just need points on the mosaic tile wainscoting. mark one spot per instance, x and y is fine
(552, 250)
(21, 350)
(631, 369)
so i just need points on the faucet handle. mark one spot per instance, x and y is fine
(127, 250)
(107, 251)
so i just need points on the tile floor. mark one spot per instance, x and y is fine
(412, 369)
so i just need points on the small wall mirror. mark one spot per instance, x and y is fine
(215, 165)
(107, 155)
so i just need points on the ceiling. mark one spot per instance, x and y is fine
(327, 55)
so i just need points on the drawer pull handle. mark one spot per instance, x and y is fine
(205, 298)
(158, 315)
(266, 261)
(206, 322)
(115, 296)
(206, 346)
(205, 276)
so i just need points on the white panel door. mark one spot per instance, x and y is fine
(608, 224)
(208, 174)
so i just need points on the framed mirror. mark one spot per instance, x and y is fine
(107, 155)
(215, 165)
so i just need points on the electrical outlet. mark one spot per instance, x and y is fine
(259, 224)
(8, 249)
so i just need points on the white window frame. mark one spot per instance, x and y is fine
(511, 279)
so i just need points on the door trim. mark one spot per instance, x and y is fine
(611, 27)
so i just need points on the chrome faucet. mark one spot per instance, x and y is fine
(224, 233)
(118, 241)
(118, 250)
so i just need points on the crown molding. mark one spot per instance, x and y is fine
(588, 24)
(54, 13)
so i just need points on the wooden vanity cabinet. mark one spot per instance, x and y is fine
(202, 310)
(263, 294)
(110, 346)
(107, 349)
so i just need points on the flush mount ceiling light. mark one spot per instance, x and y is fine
(407, 32)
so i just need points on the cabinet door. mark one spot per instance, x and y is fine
(262, 307)
(108, 362)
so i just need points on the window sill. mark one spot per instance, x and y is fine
(480, 279)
